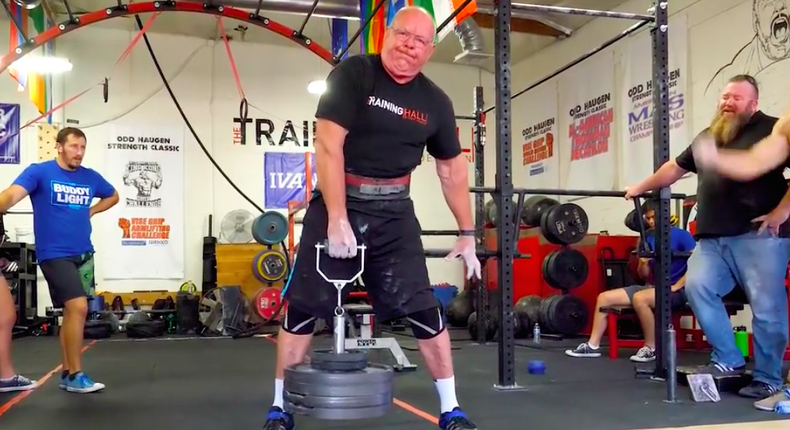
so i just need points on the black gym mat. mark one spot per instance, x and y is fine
(208, 384)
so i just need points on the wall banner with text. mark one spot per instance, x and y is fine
(636, 116)
(146, 239)
(284, 178)
(536, 126)
(9, 133)
(587, 112)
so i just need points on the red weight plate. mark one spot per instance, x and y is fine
(267, 300)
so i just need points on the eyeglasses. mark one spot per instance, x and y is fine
(402, 35)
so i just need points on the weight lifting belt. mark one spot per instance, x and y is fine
(364, 188)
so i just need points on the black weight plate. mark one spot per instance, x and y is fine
(546, 267)
(569, 315)
(565, 224)
(326, 359)
(339, 414)
(566, 269)
(534, 208)
(632, 221)
(546, 313)
(338, 402)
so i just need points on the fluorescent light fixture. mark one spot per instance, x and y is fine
(316, 87)
(30, 64)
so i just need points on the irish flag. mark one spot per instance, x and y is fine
(373, 35)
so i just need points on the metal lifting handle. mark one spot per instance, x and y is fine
(340, 322)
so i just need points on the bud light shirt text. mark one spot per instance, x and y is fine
(61, 207)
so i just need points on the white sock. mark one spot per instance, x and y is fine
(592, 346)
(446, 389)
(278, 393)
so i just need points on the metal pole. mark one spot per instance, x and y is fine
(307, 18)
(579, 11)
(452, 16)
(661, 156)
(479, 151)
(362, 27)
(562, 69)
(504, 197)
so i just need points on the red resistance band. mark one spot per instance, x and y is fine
(121, 59)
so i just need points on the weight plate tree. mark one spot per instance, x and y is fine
(503, 191)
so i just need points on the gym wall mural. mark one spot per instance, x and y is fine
(762, 55)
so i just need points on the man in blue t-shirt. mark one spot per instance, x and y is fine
(61, 191)
(641, 297)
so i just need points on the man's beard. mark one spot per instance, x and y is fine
(724, 128)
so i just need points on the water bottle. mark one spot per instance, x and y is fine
(536, 333)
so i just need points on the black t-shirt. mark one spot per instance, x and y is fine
(389, 124)
(726, 207)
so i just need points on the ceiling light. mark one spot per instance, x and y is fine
(30, 64)
(316, 87)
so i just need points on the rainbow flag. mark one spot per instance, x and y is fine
(15, 39)
(40, 85)
(372, 37)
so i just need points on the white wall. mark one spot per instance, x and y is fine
(274, 79)
(717, 31)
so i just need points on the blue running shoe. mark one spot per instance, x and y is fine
(277, 419)
(62, 383)
(455, 420)
(81, 383)
(17, 383)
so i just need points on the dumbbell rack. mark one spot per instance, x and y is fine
(25, 293)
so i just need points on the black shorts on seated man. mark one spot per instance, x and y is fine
(61, 192)
(742, 238)
(376, 118)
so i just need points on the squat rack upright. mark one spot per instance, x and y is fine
(504, 191)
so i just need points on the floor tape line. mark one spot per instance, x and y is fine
(5, 407)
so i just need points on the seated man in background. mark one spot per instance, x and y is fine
(641, 297)
(9, 379)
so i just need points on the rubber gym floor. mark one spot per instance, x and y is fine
(220, 383)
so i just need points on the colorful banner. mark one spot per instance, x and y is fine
(372, 38)
(636, 119)
(9, 126)
(284, 178)
(146, 239)
(587, 115)
(535, 121)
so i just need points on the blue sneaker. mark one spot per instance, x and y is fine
(276, 419)
(17, 383)
(63, 376)
(82, 384)
(455, 420)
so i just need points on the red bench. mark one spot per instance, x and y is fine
(686, 338)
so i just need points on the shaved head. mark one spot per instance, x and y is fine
(408, 43)
(415, 14)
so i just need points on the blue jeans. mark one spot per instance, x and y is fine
(758, 264)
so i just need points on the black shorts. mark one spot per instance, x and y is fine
(69, 278)
(395, 275)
